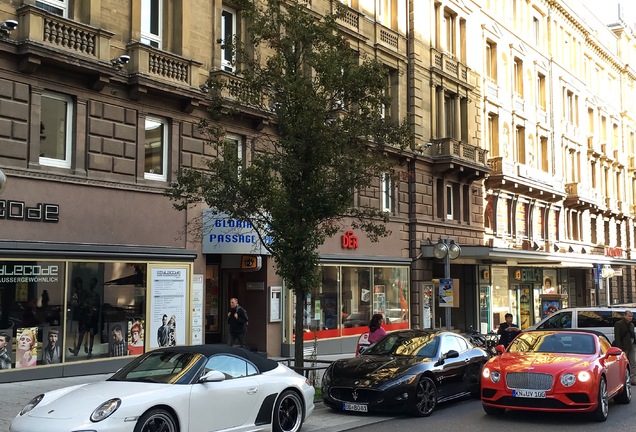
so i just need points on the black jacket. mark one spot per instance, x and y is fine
(237, 325)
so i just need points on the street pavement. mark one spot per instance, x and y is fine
(16, 395)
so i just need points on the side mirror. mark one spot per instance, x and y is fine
(500, 349)
(451, 354)
(213, 376)
(614, 351)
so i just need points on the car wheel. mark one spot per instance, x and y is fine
(425, 397)
(602, 410)
(625, 396)
(491, 410)
(288, 412)
(156, 420)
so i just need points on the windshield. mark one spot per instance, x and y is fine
(423, 345)
(165, 367)
(564, 343)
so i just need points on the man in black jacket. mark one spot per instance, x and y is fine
(623, 338)
(237, 319)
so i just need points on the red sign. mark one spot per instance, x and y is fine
(614, 252)
(349, 240)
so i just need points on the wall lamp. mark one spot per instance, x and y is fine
(7, 27)
(422, 146)
(120, 61)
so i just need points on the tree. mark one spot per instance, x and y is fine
(327, 138)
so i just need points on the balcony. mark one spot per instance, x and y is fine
(449, 66)
(453, 155)
(507, 174)
(44, 37)
(158, 65)
(581, 196)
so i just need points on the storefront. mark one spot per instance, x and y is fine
(72, 312)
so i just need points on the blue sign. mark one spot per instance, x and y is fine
(225, 235)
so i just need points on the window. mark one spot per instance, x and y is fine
(384, 12)
(449, 115)
(521, 145)
(156, 148)
(151, 22)
(387, 193)
(541, 91)
(493, 135)
(545, 154)
(536, 31)
(232, 367)
(449, 201)
(491, 60)
(55, 130)
(228, 30)
(518, 77)
(56, 7)
(233, 152)
(448, 28)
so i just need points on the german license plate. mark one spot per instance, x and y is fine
(354, 407)
(536, 394)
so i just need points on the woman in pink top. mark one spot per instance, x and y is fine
(376, 331)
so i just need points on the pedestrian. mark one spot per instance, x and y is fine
(507, 331)
(623, 339)
(376, 331)
(237, 319)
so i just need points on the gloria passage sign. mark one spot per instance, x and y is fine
(225, 235)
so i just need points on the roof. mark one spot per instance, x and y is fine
(262, 363)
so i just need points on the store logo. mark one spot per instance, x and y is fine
(29, 270)
(349, 240)
(17, 210)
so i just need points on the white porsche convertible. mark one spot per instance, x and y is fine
(187, 388)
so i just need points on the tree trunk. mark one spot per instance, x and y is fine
(299, 332)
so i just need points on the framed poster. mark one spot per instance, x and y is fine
(275, 301)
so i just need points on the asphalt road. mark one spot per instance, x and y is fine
(468, 415)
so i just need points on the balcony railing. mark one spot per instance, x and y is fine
(162, 65)
(583, 192)
(449, 147)
(52, 31)
(449, 65)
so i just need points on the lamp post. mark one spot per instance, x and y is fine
(447, 250)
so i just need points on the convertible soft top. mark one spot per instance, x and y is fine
(263, 364)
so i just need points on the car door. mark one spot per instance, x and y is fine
(450, 377)
(229, 404)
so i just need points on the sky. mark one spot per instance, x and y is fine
(607, 10)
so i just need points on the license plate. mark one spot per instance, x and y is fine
(536, 394)
(354, 407)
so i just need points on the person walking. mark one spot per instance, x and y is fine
(237, 319)
(376, 332)
(624, 338)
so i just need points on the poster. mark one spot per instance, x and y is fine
(167, 323)
(117, 333)
(379, 299)
(549, 282)
(52, 345)
(26, 352)
(5, 349)
(197, 310)
(136, 337)
(446, 293)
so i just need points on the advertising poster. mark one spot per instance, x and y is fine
(117, 333)
(26, 352)
(446, 293)
(52, 345)
(5, 349)
(167, 323)
(136, 337)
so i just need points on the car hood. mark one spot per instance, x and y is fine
(540, 362)
(81, 401)
(373, 368)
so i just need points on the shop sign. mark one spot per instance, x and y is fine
(614, 252)
(349, 240)
(527, 274)
(18, 210)
(225, 235)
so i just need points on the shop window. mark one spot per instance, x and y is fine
(151, 16)
(56, 130)
(156, 149)
(56, 7)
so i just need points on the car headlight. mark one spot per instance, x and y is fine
(584, 376)
(32, 404)
(568, 379)
(106, 409)
(494, 375)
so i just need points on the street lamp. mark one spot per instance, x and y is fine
(447, 250)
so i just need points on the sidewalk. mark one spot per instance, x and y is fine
(16, 395)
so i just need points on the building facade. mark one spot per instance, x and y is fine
(523, 156)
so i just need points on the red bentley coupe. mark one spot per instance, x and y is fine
(556, 370)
